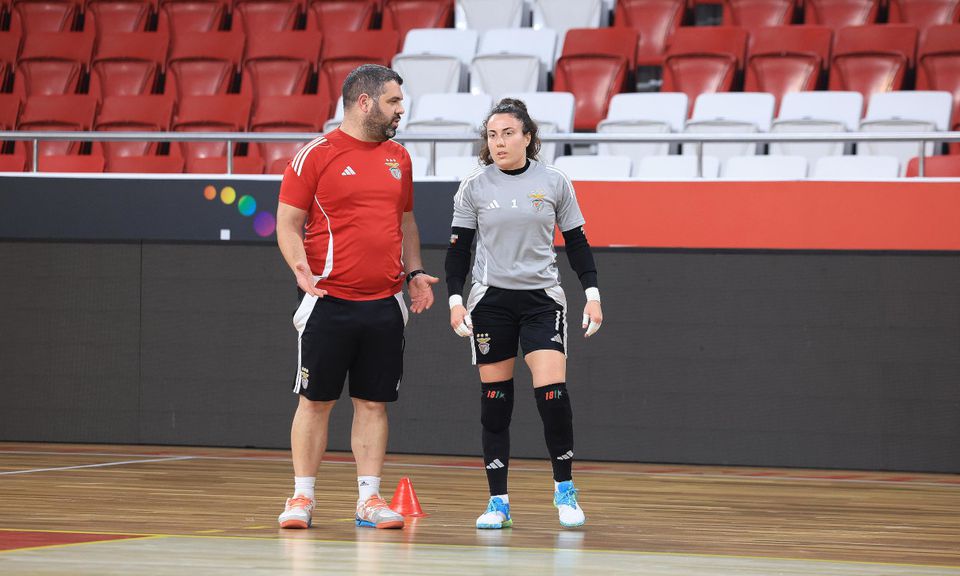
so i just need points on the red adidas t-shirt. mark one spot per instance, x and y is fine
(355, 193)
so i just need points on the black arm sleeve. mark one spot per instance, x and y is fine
(581, 257)
(457, 263)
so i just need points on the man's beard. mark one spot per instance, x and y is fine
(377, 126)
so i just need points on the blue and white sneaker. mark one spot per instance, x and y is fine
(565, 499)
(497, 515)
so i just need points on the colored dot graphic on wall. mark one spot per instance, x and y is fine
(264, 223)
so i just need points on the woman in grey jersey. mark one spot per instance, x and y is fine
(512, 205)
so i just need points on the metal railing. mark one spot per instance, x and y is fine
(698, 139)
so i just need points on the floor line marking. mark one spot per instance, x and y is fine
(71, 544)
(99, 465)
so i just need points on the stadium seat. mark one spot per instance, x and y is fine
(36, 16)
(280, 64)
(402, 16)
(9, 51)
(128, 63)
(435, 60)
(16, 160)
(677, 168)
(655, 22)
(300, 113)
(784, 59)
(513, 60)
(329, 16)
(146, 164)
(203, 63)
(456, 167)
(564, 15)
(753, 15)
(595, 167)
(150, 113)
(595, 65)
(10, 105)
(704, 60)
(262, 17)
(218, 165)
(185, 16)
(52, 63)
(935, 167)
(116, 16)
(484, 15)
(817, 112)
(419, 166)
(456, 113)
(553, 112)
(870, 59)
(71, 163)
(220, 113)
(73, 112)
(344, 51)
(643, 113)
(856, 168)
(905, 111)
(765, 168)
(746, 112)
(838, 14)
(924, 14)
(938, 67)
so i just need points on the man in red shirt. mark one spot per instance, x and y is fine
(345, 227)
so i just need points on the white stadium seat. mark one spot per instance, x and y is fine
(594, 167)
(643, 113)
(824, 111)
(745, 112)
(905, 111)
(436, 60)
(676, 168)
(856, 168)
(766, 168)
(513, 60)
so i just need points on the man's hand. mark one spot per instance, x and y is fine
(592, 317)
(305, 280)
(421, 292)
(460, 321)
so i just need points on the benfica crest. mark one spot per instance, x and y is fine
(394, 167)
(483, 343)
(536, 198)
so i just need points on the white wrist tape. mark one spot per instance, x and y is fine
(593, 294)
(456, 300)
(465, 328)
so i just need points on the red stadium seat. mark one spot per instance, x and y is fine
(9, 51)
(45, 16)
(220, 113)
(218, 165)
(704, 59)
(73, 112)
(869, 59)
(924, 13)
(405, 15)
(938, 67)
(655, 21)
(146, 164)
(755, 14)
(71, 163)
(341, 15)
(128, 63)
(287, 114)
(344, 51)
(203, 63)
(786, 59)
(837, 14)
(177, 17)
(16, 160)
(935, 167)
(114, 16)
(151, 113)
(10, 105)
(280, 64)
(53, 63)
(596, 64)
(266, 16)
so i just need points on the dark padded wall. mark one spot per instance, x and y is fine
(775, 359)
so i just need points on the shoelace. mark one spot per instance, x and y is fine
(299, 501)
(375, 503)
(568, 498)
(500, 507)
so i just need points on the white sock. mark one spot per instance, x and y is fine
(369, 486)
(504, 497)
(303, 486)
(556, 485)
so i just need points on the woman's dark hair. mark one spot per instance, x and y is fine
(518, 110)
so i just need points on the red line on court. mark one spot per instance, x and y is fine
(15, 540)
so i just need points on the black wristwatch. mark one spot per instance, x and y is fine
(413, 274)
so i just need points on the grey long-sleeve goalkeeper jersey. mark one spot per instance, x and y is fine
(514, 217)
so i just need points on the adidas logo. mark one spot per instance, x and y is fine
(493, 205)
(496, 464)
(348, 171)
(566, 456)
(557, 339)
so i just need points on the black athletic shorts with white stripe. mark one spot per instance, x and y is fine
(341, 338)
(502, 319)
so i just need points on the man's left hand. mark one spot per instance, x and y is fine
(421, 292)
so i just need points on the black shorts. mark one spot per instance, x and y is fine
(362, 339)
(502, 319)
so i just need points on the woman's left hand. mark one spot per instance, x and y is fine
(592, 318)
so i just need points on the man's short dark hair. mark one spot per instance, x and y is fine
(367, 79)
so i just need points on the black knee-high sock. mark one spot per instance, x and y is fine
(496, 409)
(553, 402)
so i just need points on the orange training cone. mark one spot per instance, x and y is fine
(405, 501)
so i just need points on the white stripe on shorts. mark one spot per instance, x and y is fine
(300, 318)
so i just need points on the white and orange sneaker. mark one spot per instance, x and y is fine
(374, 513)
(297, 513)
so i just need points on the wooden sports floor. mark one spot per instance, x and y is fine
(98, 510)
